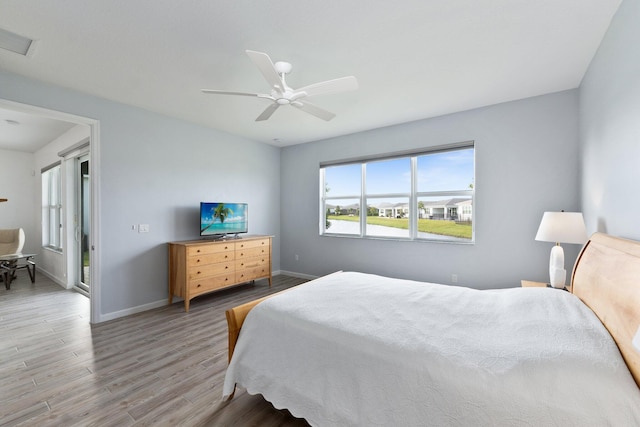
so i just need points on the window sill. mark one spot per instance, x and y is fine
(400, 239)
(54, 250)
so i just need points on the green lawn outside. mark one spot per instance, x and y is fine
(446, 228)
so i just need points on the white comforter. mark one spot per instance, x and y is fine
(359, 349)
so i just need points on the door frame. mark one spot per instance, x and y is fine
(79, 255)
(72, 159)
(94, 161)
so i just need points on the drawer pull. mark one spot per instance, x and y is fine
(226, 247)
(226, 256)
(226, 267)
(198, 251)
(198, 285)
(198, 272)
(198, 260)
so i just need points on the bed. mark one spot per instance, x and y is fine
(361, 349)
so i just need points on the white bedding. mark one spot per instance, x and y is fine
(359, 349)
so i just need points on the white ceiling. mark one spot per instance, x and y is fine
(413, 59)
(28, 132)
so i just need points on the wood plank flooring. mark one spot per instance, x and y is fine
(163, 367)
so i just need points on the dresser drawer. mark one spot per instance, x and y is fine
(210, 270)
(251, 252)
(209, 249)
(252, 244)
(252, 273)
(207, 284)
(198, 260)
(244, 263)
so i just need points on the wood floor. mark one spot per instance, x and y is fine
(163, 367)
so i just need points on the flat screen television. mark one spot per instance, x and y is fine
(222, 219)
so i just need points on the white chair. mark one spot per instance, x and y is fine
(11, 241)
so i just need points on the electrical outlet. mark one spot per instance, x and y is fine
(297, 257)
(134, 227)
(454, 278)
(143, 228)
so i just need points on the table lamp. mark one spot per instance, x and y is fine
(560, 227)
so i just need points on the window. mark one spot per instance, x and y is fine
(422, 195)
(52, 208)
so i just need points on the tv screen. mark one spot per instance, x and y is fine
(223, 218)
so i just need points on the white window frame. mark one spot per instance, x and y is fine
(413, 196)
(52, 207)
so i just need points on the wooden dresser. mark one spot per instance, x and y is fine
(197, 267)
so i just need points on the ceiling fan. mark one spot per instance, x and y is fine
(282, 94)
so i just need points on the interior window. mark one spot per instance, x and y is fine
(52, 208)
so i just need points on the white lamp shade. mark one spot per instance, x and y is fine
(562, 227)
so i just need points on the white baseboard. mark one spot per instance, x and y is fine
(132, 310)
(298, 275)
(57, 280)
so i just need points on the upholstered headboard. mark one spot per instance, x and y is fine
(606, 277)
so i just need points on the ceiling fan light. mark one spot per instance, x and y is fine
(283, 67)
(283, 101)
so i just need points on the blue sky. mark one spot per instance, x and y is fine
(449, 170)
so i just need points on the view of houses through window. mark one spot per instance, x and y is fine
(426, 195)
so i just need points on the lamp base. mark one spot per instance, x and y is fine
(557, 278)
(557, 273)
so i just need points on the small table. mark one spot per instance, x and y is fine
(9, 264)
(532, 284)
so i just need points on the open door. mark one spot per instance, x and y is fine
(83, 221)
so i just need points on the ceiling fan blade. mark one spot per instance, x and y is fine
(268, 112)
(266, 67)
(313, 110)
(225, 92)
(343, 84)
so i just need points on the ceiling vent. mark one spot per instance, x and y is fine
(14, 42)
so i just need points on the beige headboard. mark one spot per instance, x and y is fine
(606, 277)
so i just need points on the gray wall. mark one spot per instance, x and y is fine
(155, 170)
(526, 163)
(610, 129)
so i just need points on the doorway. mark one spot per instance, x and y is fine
(67, 270)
